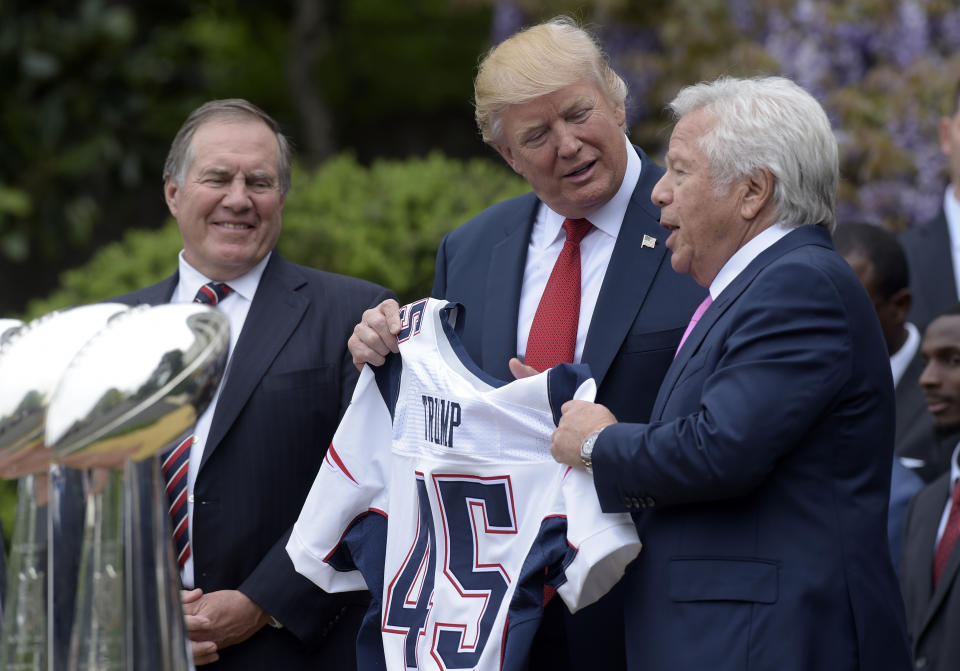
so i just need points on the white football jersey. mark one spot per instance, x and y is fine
(439, 494)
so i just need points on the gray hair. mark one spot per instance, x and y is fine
(536, 62)
(769, 122)
(180, 156)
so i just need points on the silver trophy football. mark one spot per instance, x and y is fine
(32, 359)
(8, 327)
(133, 391)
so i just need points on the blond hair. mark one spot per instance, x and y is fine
(538, 61)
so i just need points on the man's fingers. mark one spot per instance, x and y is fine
(198, 626)
(190, 595)
(376, 335)
(520, 370)
(204, 652)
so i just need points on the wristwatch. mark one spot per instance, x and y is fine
(586, 450)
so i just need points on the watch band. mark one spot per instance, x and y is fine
(586, 450)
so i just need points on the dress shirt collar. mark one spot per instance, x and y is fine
(608, 218)
(743, 256)
(951, 210)
(192, 279)
(954, 467)
(900, 360)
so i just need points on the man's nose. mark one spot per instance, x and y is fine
(660, 194)
(569, 142)
(237, 196)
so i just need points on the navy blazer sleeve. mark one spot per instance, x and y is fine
(777, 361)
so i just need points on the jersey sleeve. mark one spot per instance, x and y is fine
(604, 543)
(348, 492)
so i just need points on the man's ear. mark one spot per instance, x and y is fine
(170, 190)
(758, 192)
(507, 154)
(901, 302)
(946, 139)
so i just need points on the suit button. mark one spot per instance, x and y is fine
(921, 663)
(650, 501)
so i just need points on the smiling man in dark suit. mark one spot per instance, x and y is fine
(258, 447)
(760, 485)
(930, 563)
(547, 100)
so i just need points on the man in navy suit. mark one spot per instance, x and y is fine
(930, 564)
(289, 378)
(549, 103)
(760, 485)
(932, 247)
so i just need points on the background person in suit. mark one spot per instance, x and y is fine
(760, 486)
(549, 103)
(930, 565)
(933, 249)
(289, 377)
(880, 264)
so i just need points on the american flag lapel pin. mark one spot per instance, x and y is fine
(648, 241)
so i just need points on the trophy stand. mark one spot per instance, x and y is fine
(132, 392)
(32, 359)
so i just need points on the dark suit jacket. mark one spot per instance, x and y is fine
(933, 616)
(915, 437)
(642, 310)
(932, 278)
(761, 485)
(290, 379)
(904, 485)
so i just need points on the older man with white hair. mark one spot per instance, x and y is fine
(760, 484)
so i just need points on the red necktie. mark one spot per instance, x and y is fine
(553, 334)
(950, 534)
(693, 321)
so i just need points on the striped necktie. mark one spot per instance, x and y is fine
(176, 462)
(212, 293)
(174, 466)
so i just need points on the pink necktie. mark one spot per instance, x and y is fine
(693, 321)
(553, 334)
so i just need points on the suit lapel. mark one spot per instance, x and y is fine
(502, 295)
(159, 293)
(276, 310)
(629, 275)
(799, 237)
(939, 262)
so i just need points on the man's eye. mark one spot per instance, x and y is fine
(535, 138)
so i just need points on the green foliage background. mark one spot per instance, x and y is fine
(376, 97)
(382, 222)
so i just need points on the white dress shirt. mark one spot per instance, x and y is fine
(951, 210)
(235, 306)
(596, 248)
(900, 360)
(737, 263)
